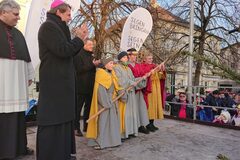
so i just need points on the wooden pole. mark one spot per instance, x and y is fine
(119, 96)
(129, 88)
(114, 100)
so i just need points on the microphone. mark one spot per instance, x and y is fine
(234, 30)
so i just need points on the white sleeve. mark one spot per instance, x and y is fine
(31, 72)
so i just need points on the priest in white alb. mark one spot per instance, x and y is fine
(16, 74)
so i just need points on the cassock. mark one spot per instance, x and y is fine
(143, 113)
(129, 110)
(153, 92)
(56, 106)
(85, 77)
(105, 129)
(15, 72)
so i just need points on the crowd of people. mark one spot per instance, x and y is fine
(219, 106)
(120, 98)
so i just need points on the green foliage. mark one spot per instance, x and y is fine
(222, 157)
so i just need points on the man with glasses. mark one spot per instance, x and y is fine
(16, 72)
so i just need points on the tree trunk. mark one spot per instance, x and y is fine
(99, 48)
(198, 73)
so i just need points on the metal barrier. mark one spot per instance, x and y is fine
(193, 98)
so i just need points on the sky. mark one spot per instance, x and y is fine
(26, 3)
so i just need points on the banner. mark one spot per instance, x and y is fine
(136, 29)
(36, 16)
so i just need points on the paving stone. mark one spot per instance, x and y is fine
(174, 140)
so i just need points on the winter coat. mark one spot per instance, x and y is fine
(85, 72)
(57, 81)
(176, 109)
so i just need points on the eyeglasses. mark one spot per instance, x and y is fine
(182, 96)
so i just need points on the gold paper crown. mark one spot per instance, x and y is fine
(133, 52)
